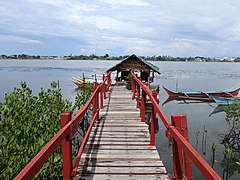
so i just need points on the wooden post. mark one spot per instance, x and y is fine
(153, 122)
(109, 82)
(66, 146)
(177, 150)
(95, 101)
(94, 109)
(143, 104)
(101, 97)
(133, 88)
(138, 95)
(181, 124)
(104, 88)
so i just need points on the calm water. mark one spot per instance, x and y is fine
(183, 76)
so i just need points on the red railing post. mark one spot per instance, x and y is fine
(109, 81)
(138, 96)
(95, 100)
(101, 97)
(177, 149)
(66, 147)
(153, 121)
(104, 87)
(143, 105)
(181, 125)
(134, 88)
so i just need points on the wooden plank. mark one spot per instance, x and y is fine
(114, 163)
(146, 143)
(126, 157)
(122, 170)
(136, 147)
(116, 136)
(123, 125)
(123, 129)
(122, 177)
(118, 146)
(120, 151)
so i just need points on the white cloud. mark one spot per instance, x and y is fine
(126, 2)
(17, 39)
(177, 27)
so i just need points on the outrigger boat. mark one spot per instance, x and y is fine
(225, 101)
(81, 81)
(202, 95)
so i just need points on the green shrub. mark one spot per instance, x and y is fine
(27, 123)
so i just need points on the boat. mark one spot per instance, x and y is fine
(185, 100)
(225, 101)
(202, 95)
(218, 109)
(81, 81)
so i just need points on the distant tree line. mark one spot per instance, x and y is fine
(108, 57)
(19, 56)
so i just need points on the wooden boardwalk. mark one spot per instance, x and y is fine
(118, 146)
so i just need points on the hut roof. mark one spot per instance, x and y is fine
(134, 62)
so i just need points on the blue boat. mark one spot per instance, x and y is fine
(225, 101)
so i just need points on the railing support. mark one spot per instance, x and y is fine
(66, 147)
(95, 101)
(109, 82)
(133, 88)
(138, 95)
(143, 105)
(180, 122)
(153, 121)
(104, 88)
(101, 98)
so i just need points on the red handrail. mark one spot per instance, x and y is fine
(68, 129)
(197, 159)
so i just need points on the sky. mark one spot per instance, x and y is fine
(209, 28)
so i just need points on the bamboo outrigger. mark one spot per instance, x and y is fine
(202, 95)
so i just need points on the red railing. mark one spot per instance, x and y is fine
(176, 132)
(64, 136)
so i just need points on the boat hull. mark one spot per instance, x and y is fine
(225, 101)
(202, 94)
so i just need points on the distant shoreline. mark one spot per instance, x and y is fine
(115, 60)
(118, 58)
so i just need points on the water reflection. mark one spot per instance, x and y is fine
(186, 100)
(217, 109)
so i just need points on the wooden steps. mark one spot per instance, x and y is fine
(118, 146)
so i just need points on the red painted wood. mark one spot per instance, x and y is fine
(138, 96)
(66, 146)
(80, 151)
(181, 124)
(143, 105)
(37, 162)
(177, 150)
(68, 129)
(202, 165)
(153, 122)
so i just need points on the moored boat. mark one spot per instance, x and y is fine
(199, 94)
(225, 101)
(81, 81)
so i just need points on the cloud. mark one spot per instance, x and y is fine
(17, 39)
(126, 2)
(177, 27)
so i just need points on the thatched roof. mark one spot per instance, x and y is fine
(134, 62)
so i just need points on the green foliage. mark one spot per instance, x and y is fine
(83, 96)
(230, 163)
(27, 123)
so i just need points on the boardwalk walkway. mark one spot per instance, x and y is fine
(118, 144)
